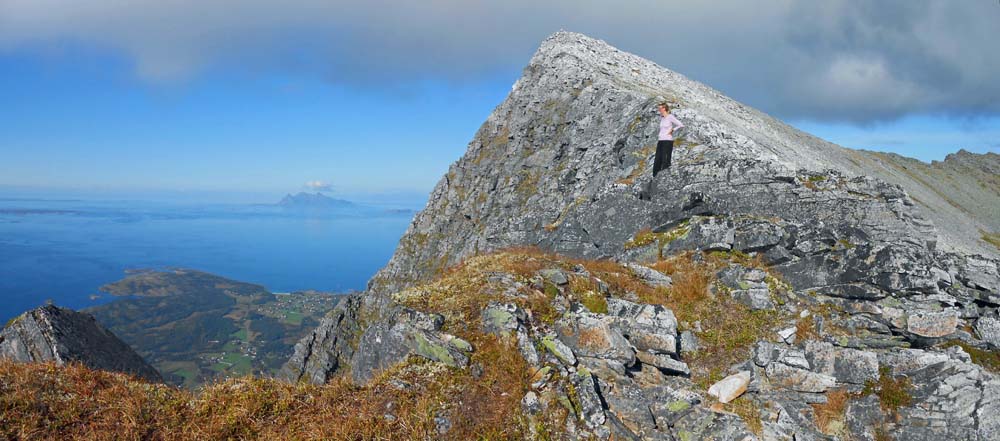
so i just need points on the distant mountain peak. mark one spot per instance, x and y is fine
(312, 200)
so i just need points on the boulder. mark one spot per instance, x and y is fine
(650, 276)
(688, 343)
(932, 323)
(589, 336)
(407, 332)
(559, 349)
(747, 285)
(591, 407)
(502, 318)
(648, 327)
(731, 387)
(845, 365)
(556, 276)
(988, 330)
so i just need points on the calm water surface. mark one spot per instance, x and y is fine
(64, 250)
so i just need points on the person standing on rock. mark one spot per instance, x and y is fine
(665, 141)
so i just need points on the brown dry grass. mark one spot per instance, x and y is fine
(989, 359)
(592, 338)
(830, 415)
(584, 289)
(40, 401)
(749, 410)
(44, 401)
(892, 392)
(805, 329)
(729, 328)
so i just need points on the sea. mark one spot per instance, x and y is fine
(63, 250)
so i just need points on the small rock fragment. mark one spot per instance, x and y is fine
(788, 335)
(731, 387)
(554, 275)
(664, 362)
(530, 403)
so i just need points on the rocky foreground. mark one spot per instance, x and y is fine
(863, 319)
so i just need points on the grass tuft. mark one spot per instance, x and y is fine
(749, 410)
(805, 328)
(892, 393)
(728, 328)
(991, 238)
(990, 360)
(830, 415)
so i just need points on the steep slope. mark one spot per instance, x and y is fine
(582, 117)
(856, 293)
(50, 333)
(965, 185)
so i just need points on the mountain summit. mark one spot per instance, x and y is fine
(577, 133)
(820, 283)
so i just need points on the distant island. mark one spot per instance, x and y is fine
(321, 204)
(313, 200)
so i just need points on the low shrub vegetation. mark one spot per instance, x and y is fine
(728, 328)
(990, 360)
(44, 401)
(830, 415)
(893, 393)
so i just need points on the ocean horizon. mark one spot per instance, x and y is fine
(64, 249)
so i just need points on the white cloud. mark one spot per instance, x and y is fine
(318, 186)
(782, 56)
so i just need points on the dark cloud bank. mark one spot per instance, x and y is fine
(831, 60)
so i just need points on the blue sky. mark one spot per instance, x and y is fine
(192, 98)
(84, 123)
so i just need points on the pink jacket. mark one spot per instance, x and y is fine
(666, 123)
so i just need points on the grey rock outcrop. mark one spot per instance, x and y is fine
(329, 347)
(850, 241)
(61, 335)
(345, 341)
(558, 162)
(988, 329)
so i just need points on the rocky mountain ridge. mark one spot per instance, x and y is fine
(580, 123)
(871, 320)
(61, 335)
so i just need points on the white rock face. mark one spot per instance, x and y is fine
(731, 387)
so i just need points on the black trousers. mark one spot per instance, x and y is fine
(664, 150)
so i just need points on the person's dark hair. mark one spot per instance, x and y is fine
(665, 106)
